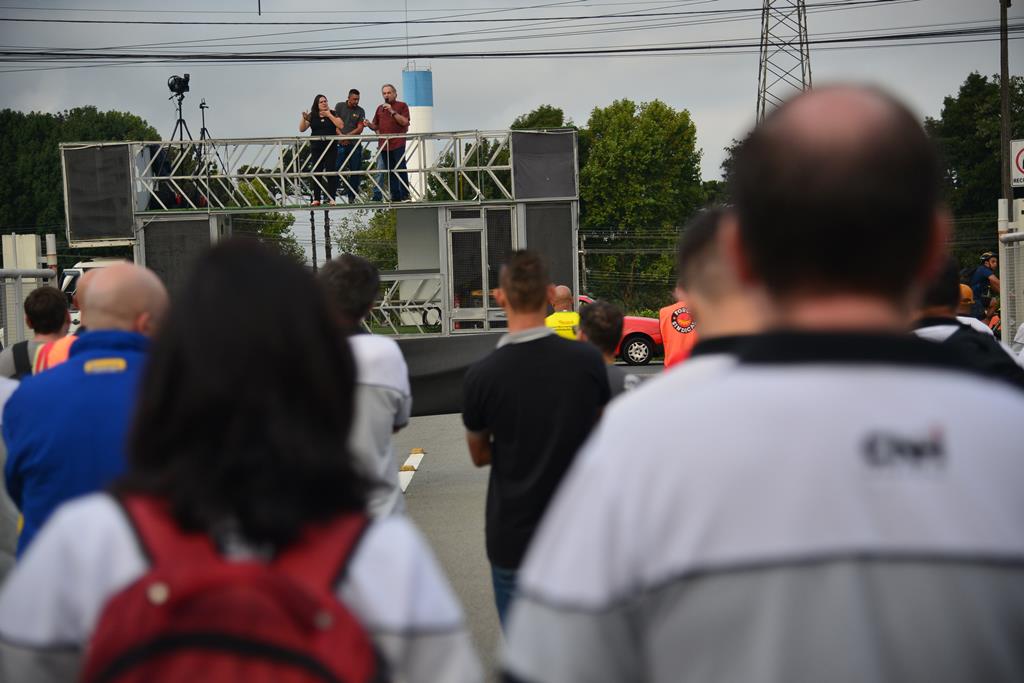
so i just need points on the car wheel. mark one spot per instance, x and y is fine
(637, 350)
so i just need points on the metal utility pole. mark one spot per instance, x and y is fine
(327, 236)
(312, 236)
(1004, 104)
(785, 54)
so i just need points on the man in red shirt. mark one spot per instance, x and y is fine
(391, 118)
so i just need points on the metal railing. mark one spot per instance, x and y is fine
(410, 302)
(1011, 276)
(225, 175)
(15, 285)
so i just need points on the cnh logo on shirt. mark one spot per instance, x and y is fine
(102, 366)
(682, 321)
(887, 450)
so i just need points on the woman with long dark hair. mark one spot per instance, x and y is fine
(241, 495)
(320, 120)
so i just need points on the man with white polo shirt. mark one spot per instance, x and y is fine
(937, 321)
(383, 401)
(821, 510)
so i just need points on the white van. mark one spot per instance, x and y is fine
(69, 284)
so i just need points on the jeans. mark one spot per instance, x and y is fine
(354, 155)
(504, 582)
(393, 164)
(323, 161)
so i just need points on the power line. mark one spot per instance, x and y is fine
(263, 57)
(389, 22)
(119, 10)
(486, 35)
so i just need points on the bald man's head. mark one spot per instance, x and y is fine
(561, 300)
(84, 280)
(838, 192)
(124, 297)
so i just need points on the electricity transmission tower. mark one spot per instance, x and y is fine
(785, 56)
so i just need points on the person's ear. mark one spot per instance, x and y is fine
(551, 294)
(144, 324)
(730, 242)
(499, 296)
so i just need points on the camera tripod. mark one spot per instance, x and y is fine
(180, 127)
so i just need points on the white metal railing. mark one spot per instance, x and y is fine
(15, 285)
(224, 175)
(410, 302)
(1011, 276)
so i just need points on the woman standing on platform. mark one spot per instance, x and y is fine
(323, 153)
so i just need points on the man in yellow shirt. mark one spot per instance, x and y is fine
(564, 321)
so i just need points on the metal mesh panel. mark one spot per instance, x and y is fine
(99, 193)
(464, 214)
(549, 231)
(544, 164)
(467, 271)
(499, 246)
(173, 247)
(1011, 264)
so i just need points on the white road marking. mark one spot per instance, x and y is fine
(409, 468)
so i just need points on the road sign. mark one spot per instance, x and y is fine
(1017, 161)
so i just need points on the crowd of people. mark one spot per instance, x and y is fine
(208, 490)
(340, 162)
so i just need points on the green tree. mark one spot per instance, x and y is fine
(544, 116)
(31, 186)
(273, 228)
(370, 234)
(967, 133)
(639, 183)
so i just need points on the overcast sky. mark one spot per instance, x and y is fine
(247, 100)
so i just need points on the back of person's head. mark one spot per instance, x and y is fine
(124, 297)
(699, 264)
(46, 310)
(837, 192)
(525, 281)
(352, 284)
(561, 300)
(601, 324)
(944, 289)
(84, 282)
(246, 401)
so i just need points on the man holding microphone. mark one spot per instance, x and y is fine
(391, 118)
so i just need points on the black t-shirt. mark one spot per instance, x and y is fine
(539, 399)
(350, 117)
(322, 126)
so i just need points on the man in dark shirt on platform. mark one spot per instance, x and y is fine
(391, 118)
(527, 408)
(350, 152)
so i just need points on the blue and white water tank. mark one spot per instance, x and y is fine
(418, 93)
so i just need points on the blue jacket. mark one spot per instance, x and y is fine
(65, 428)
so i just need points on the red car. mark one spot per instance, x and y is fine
(641, 337)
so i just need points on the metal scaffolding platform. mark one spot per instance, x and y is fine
(268, 174)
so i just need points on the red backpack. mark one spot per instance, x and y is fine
(195, 616)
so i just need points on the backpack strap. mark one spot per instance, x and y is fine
(160, 538)
(22, 365)
(42, 361)
(319, 558)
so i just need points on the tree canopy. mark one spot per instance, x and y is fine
(31, 187)
(639, 183)
(544, 116)
(967, 133)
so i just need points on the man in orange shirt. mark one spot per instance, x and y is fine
(678, 329)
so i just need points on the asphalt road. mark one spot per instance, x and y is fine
(446, 501)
